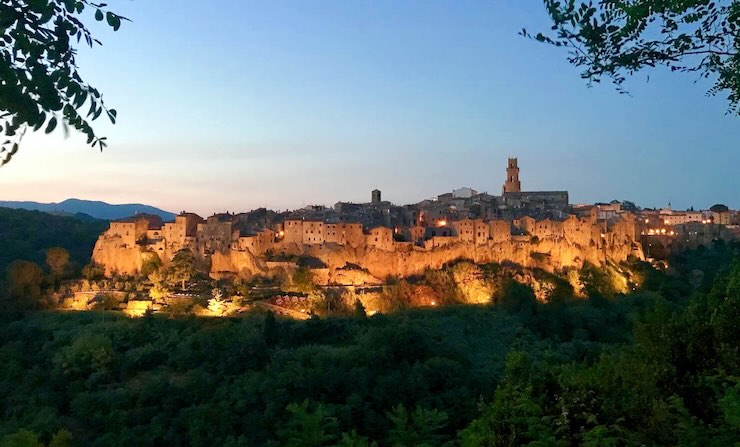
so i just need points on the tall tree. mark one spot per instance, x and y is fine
(24, 281)
(615, 39)
(182, 268)
(40, 85)
(57, 258)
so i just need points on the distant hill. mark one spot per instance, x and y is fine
(28, 234)
(95, 209)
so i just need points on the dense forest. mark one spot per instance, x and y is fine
(28, 235)
(659, 366)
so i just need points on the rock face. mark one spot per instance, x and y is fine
(116, 256)
(569, 245)
(550, 256)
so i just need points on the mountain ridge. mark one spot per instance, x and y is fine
(93, 208)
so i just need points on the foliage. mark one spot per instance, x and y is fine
(57, 258)
(659, 366)
(41, 82)
(27, 235)
(420, 428)
(615, 39)
(24, 282)
(93, 271)
(306, 427)
(151, 264)
(303, 280)
(182, 267)
(217, 304)
(676, 385)
(473, 286)
(21, 438)
(359, 310)
(160, 287)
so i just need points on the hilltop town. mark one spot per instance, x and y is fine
(359, 243)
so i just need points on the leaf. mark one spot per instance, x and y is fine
(112, 115)
(52, 124)
(99, 15)
(113, 20)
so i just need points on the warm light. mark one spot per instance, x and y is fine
(434, 303)
(281, 233)
(442, 223)
(372, 312)
(647, 221)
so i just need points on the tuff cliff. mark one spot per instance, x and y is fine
(550, 256)
(368, 264)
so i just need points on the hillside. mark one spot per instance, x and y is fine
(28, 234)
(658, 366)
(96, 209)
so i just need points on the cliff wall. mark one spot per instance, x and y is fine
(376, 264)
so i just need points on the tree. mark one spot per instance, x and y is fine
(614, 39)
(24, 280)
(303, 280)
(151, 264)
(160, 287)
(93, 271)
(630, 206)
(21, 438)
(63, 438)
(41, 84)
(182, 268)
(269, 330)
(217, 304)
(419, 428)
(57, 258)
(352, 439)
(306, 427)
(359, 310)
(515, 416)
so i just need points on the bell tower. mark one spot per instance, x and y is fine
(512, 183)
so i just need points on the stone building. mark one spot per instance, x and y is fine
(499, 231)
(216, 234)
(416, 234)
(482, 232)
(293, 231)
(258, 244)
(181, 233)
(133, 230)
(465, 230)
(381, 238)
(314, 232)
(350, 234)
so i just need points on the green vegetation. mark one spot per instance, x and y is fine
(64, 244)
(615, 39)
(41, 83)
(658, 366)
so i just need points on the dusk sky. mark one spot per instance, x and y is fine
(233, 105)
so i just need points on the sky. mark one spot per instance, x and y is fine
(236, 104)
